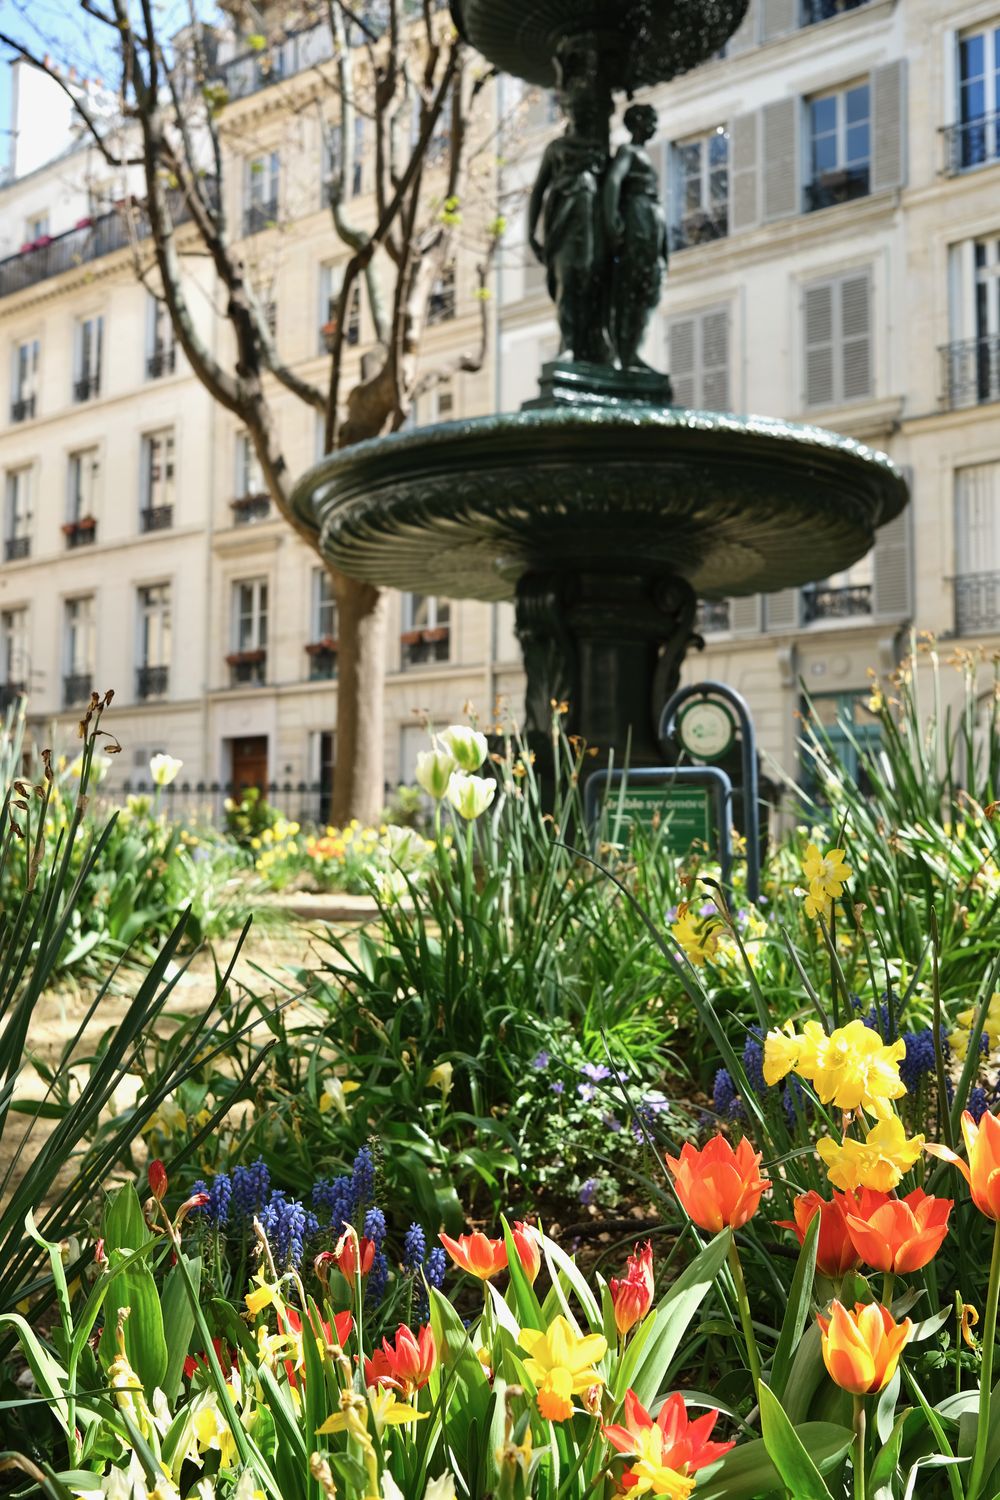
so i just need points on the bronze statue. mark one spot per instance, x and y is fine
(637, 232)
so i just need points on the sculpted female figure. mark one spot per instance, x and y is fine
(638, 236)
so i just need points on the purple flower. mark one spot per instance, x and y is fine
(414, 1247)
(557, 1087)
(707, 909)
(540, 1061)
(596, 1072)
(612, 1123)
(587, 1191)
(586, 1091)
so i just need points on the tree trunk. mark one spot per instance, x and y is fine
(359, 778)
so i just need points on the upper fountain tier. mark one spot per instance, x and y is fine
(641, 42)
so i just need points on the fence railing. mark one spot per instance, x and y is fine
(306, 802)
(970, 371)
(971, 143)
(977, 603)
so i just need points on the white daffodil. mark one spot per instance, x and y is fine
(467, 746)
(442, 1488)
(164, 769)
(470, 796)
(433, 770)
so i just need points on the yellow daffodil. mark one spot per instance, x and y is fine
(212, 1430)
(561, 1363)
(264, 1294)
(855, 1069)
(389, 1411)
(698, 938)
(334, 1095)
(440, 1077)
(878, 1162)
(826, 874)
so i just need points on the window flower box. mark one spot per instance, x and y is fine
(246, 658)
(326, 646)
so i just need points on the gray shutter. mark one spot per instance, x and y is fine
(782, 195)
(744, 172)
(744, 614)
(888, 88)
(892, 565)
(818, 321)
(856, 337)
(782, 610)
(682, 360)
(714, 330)
(745, 35)
(778, 17)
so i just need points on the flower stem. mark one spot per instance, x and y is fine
(746, 1322)
(986, 1372)
(858, 1459)
(888, 1280)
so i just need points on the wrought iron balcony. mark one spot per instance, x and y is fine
(971, 143)
(700, 228)
(713, 616)
(249, 508)
(80, 533)
(842, 186)
(258, 216)
(77, 688)
(322, 659)
(22, 410)
(156, 518)
(90, 240)
(247, 667)
(977, 603)
(151, 682)
(825, 10)
(87, 386)
(162, 362)
(819, 603)
(970, 372)
(16, 548)
(420, 647)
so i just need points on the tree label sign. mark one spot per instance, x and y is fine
(683, 815)
(706, 728)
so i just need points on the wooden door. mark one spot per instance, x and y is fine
(249, 757)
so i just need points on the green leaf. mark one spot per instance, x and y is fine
(528, 1310)
(797, 1310)
(145, 1344)
(747, 1473)
(883, 1470)
(672, 1316)
(179, 1318)
(124, 1226)
(787, 1451)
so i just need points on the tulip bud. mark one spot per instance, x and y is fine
(433, 771)
(467, 746)
(529, 1250)
(156, 1174)
(470, 796)
(355, 1254)
(632, 1297)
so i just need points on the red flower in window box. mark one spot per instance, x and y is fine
(411, 637)
(326, 646)
(85, 223)
(434, 634)
(246, 658)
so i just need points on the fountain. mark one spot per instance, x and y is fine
(602, 509)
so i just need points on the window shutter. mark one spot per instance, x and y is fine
(715, 360)
(682, 360)
(892, 589)
(782, 611)
(856, 337)
(782, 197)
(778, 17)
(745, 614)
(745, 35)
(744, 172)
(889, 126)
(819, 341)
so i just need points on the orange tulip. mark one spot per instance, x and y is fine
(632, 1296)
(720, 1188)
(406, 1364)
(835, 1254)
(982, 1171)
(355, 1254)
(476, 1254)
(861, 1349)
(529, 1250)
(897, 1234)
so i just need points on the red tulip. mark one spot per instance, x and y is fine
(353, 1251)
(669, 1449)
(897, 1234)
(720, 1188)
(338, 1334)
(156, 1173)
(632, 1296)
(529, 1249)
(835, 1252)
(405, 1365)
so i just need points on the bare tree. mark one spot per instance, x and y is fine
(399, 66)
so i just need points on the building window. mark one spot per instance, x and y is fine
(161, 348)
(975, 140)
(441, 302)
(839, 147)
(36, 228)
(262, 192)
(330, 280)
(252, 502)
(24, 381)
(80, 526)
(89, 339)
(247, 661)
(14, 665)
(322, 648)
(155, 642)
(977, 549)
(17, 520)
(842, 596)
(838, 340)
(700, 179)
(426, 633)
(713, 616)
(844, 728)
(157, 512)
(78, 677)
(824, 10)
(971, 361)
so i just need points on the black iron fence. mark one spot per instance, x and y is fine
(77, 687)
(17, 547)
(305, 802)
(977, 603)
(22, 410)
(970, 371)
(971, 143)
(156, 518)
(151, 682)
(162, 362)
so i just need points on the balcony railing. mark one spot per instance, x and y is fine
(22, 410)
(90, 240)
(700, 228)
(77, 687)
(156, 518)
(249, 508)
(247, 667)
(977, 603)
(86, 387)
(161, 362)
(258, 216)
(322, 659)
(837, 187)
(820, 603)
(713, 616)
(11, 693)
(80, 533)
(17, 547)
(970, 372)
(420, 647)
(151, 682)
(825, 10)
(971, 143)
